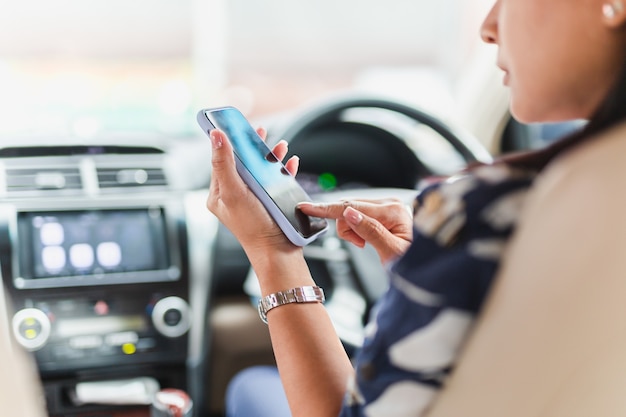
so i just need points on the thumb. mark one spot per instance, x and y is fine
(222, 157)
(371, 231)
(217, 144)
(224, 174)
(365, 227)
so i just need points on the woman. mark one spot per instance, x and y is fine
(542, 324)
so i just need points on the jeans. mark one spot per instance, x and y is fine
(256, 392)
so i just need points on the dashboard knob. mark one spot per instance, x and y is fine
(171, 317)
(31, 328)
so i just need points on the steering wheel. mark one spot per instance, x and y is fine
(328, 112)
(353, 278)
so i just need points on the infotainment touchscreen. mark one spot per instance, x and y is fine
(92, 247)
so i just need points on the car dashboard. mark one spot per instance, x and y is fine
(97, 264)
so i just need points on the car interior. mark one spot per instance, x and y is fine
(117, 282)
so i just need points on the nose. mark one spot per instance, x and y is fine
(489, 28)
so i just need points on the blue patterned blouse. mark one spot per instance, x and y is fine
(461, 228)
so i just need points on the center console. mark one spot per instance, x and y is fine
(100, 285)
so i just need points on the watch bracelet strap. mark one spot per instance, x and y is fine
(306, 294)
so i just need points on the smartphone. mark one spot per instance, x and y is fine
(265, 175)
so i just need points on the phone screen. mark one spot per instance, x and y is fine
(269, 173)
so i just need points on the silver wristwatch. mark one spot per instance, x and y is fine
(308, 294)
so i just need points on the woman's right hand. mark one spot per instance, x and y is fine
(386, 224)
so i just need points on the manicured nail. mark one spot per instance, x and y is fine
(307, 203)
(352, 216)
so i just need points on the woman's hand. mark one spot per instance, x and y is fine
(316, 354)
(232, 202)
(386, 224)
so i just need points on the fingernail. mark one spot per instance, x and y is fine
(352, 216)
(216, 139)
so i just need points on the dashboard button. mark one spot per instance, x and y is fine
(31, 328)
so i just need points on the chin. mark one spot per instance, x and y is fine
(524, 116)
(534, 114)
(523, 110)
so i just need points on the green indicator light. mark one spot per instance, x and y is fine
(327, 181)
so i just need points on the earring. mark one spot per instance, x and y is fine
(611, 10)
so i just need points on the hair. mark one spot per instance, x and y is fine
(611, 111)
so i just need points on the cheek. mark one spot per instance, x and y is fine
(556, 71)
(540, 89)
(530, 47)
(543, 91)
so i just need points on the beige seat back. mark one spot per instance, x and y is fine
(551, 340)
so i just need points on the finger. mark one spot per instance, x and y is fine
(374, 208)
(217, 139)
(224, 172)
(325, 210)
(369, 207)
(371, 202)
(261, 132)
(373, 232)
(345, 232)
(386, 211)
(280, 150)
(292, 165)
(367, 229)
(222, 157)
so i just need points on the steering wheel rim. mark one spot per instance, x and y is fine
(463, 142)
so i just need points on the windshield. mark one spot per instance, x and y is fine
(84, 68)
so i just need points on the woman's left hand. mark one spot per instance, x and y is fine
(232, 202)
(316, 354)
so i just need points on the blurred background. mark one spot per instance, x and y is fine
(84, 67)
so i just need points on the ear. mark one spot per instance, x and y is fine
(614, 13)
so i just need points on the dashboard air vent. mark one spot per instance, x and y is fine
(37, 151)
(131, 177)
(33, 179)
